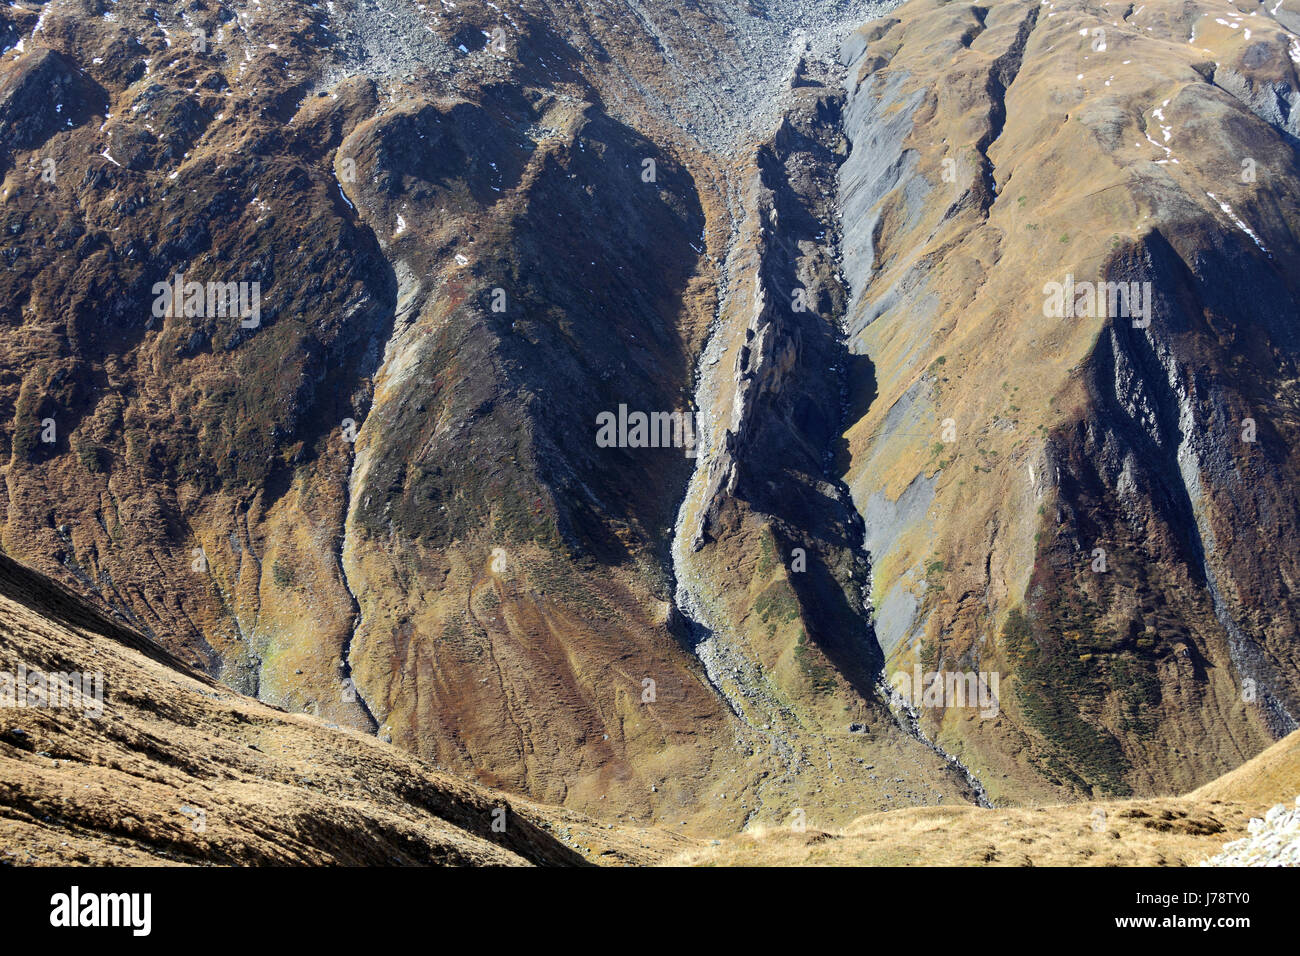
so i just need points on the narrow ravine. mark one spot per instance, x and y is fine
(910, 721)
(406, 307)
(768, 364)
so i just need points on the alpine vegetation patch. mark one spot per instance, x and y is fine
(646, 430)
(209, 300)
(1098, 300)
(73, 690)
(948, 689)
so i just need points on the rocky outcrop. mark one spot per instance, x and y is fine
(42, 93)
(1274, 841)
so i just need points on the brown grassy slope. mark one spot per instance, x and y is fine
(273, 788)
(1169, 831)
(182, 433)
(1269, 777)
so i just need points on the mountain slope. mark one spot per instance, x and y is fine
(382, 502)
(179, 770)
(378, 495)
(1096, 501)
(173, 768)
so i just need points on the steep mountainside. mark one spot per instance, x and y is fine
(377, 497)
(1097, 502)
(818, 246)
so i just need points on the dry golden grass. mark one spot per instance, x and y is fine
(1272, 776)
(1162, 831)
